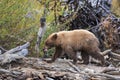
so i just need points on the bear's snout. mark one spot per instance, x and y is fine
(45, 49)
(45, 52)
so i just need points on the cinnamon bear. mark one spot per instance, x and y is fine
(74, 41)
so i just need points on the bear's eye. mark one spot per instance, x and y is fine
(48, 43)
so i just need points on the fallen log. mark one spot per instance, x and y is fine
(114, 55)
(11, 51)
(14, 54)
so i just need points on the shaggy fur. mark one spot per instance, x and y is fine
(71, 42)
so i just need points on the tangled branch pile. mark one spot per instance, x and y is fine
(36, 69)
(109, 34)
(97, 18)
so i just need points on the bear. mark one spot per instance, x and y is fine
(74, 41)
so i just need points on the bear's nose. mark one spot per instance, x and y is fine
(45, 50)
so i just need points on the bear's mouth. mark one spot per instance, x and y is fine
(45, 50)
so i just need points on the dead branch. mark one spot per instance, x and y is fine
(108, 69)
(105, 75)
(106, 52)
(113, 72)
(111, 54)
(73, 66)
(41, 32)
(2, 50)
(114, 55)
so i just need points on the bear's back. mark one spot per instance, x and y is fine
(74, 34)
(78, 37)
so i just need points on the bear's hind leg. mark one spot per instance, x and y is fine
(85, 57)
(98, 56)
(74, 59)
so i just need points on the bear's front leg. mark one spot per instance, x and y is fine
(58, 52)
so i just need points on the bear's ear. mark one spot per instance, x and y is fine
(55, 36)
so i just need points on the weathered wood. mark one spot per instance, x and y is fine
(18, 48)
(7, 58)
(40, 34)
(34, 68)
(106, 52)
(106, 75)
(114, 55)
(2, 50)
(113, 72)
(108, 69)
(111, 54)
(7, 72)
(15, 53)
(75, 67)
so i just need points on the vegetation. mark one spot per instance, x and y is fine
(19, 20)
(116, 7)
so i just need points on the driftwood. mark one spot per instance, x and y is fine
(111, 54)
(2, 50)
(105, 75)
(111, 71)
(34, 68)
(11, 51)
(15, 53)
(114, 72)
(40, 34)
(108, 69)
(106, 52)
(75, 67)
(114, 55)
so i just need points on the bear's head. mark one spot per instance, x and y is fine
(50, 41)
